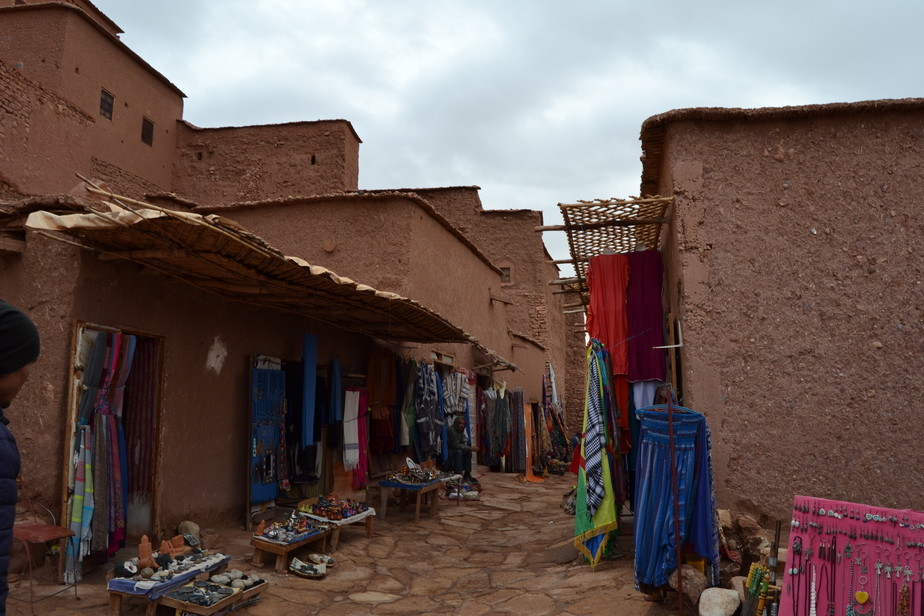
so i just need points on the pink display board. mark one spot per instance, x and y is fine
(848, 559)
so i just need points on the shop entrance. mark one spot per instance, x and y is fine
(113, 431)
(285, 452)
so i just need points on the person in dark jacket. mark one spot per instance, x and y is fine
(460, 458)
(19, 348)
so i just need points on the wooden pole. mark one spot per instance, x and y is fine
(606, 223)
(562, 281)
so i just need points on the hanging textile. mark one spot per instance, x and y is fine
(607, 279)
(108, 522)
(502, 421)
(488, 410)
(336, 392)
(645, 316)
(140, 421)
(558, 432)
(429, 417)
(381, 384)
(596, 519)
(98, 472)
(351, 428)
(674, 489)
(441, 409)
(516, 454)
(456, 391)
(309, 385)
(81, 508)
(361, 472)
(409, 405)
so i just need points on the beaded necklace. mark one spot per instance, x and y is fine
(795, 572)
(814, 596)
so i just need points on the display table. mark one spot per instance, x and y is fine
(368, 516)
(153, 591)
(263, 545)
(231, 603)
(422, 490)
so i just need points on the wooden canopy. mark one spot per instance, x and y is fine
(219, 256)
(610, 225)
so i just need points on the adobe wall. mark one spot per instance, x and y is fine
(256, 163)
(795, 263)
(43, 138)
(206, 404)
(391, 244)
(509, 238)
(62, 49)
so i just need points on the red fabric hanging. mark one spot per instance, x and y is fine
(607, 321)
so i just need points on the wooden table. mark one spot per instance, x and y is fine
(153, 595)
(367, 517)
(282, 550)
(422, 490)
(230, 603)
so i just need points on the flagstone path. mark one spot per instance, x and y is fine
(507, 553)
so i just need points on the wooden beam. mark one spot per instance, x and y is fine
(573, 311)
(562, 281)
(494, 298)
(147, 254)
(9, 244)
(606, 223)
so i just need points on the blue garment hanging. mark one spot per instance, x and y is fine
(336, 393)
(655, 535)
(309, 387)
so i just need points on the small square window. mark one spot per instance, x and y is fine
(147, 131)
(505, 274)
(106, 103)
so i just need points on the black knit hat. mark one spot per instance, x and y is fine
(19, 339)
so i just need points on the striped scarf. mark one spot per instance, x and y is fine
(594, 436)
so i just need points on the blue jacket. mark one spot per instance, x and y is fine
(9, 471)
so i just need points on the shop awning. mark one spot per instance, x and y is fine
(217, 255)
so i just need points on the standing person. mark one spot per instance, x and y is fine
(19, 348)
(460, 459)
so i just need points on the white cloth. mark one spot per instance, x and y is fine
(351, 430)
(643, 393)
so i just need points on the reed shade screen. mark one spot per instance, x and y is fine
(594, 227)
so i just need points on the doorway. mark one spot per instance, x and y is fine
(113, 431)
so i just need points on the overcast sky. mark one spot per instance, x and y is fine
(538, 102)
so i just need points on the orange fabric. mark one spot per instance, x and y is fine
(528, 416)
(607, 319)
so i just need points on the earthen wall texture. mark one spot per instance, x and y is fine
(60, 48)
(391, 244)
(43, 138)
(205, 406)
(509, 239)
(794, 263)
(254, 163)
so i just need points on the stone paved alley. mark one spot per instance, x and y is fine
(507, 553)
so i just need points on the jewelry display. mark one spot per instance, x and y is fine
(836, 549)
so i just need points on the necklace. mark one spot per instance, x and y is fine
(814, 596)
(796, 573)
